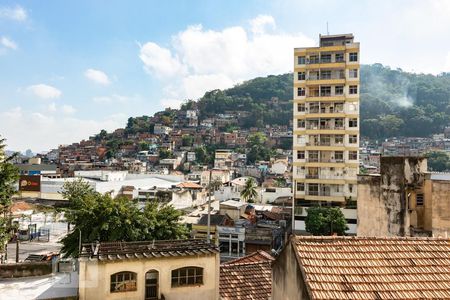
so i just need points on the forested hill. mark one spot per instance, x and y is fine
(393, 102)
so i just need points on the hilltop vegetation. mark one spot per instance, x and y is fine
(393, 103)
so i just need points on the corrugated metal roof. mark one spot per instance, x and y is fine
(375, 268)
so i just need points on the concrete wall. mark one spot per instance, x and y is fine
(25, 269)
(287, 279)
(385, 201)
(440, 208)
(95, 278)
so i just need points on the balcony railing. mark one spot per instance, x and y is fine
(324, 160)
(323, 61)
(326, 127)
(324, 193)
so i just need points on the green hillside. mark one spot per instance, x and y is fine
(393, 102)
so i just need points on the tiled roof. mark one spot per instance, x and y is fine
(246, 280)
(374, 268)
(147, 249)
(258, 256)
(190, 185)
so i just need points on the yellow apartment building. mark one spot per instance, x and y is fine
(326, 126)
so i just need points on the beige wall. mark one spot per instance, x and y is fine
(287, 280)
(95, 277)
(441, 208)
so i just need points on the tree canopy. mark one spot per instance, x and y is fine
(9, 174)
(99, 217)
(438, 161)
(249, 192)
(325, 221)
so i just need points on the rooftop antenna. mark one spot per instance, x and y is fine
(328, 33)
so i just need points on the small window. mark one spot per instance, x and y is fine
(354, 56)
(325, 91)
(301, 123)
(187, 276)
(419, 200)
(339, 139)
(123, 282)
(300, 154)
(353, 73)
(353, 122)
(350, 188)
(339, 90)
(339, 57)
(301, 107)
(300, 186)
(352, 155)
(301, 60)
(301, 75)
(300, 91)
(353, 89)
(352, 139)
(339, 156)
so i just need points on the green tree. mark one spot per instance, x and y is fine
(325, 221)
(187, 140)
(9, 176)
(258, 149)
(249, 192)
(438, 161)
(144, 146)
(102, 218)
(164, 153)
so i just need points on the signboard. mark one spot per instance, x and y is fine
(29, 183)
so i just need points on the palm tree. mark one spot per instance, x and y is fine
(249, 192)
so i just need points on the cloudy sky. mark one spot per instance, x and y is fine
(71, 68)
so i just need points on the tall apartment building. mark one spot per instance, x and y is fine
(326, 126)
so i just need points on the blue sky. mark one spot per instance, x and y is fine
(71, 68)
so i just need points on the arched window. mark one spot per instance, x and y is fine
(187, 276)
(123, 282)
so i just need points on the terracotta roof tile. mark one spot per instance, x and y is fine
(375, 268)
(258, 256)
(246, 280)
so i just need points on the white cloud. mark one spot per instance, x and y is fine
(97, 76)
(201, 59)
(17, 13)
(8, 43)
(44, 91)
(40, 132)
(259, 24)
(52, 107)
(159, 61)
(68, 109)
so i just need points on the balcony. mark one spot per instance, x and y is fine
(323, 60)
(326, 77)
(325, 193)
(324, 160)
(325, 143)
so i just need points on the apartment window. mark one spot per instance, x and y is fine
(313, 189)
(314, 107)
(353, 89)
(301, 107)
(353, 122)
(300, 91)
(300, 154)
(339, 156)
(350, 188)
(339, 57)
(352, 155)
(325, 91)
(187, 276)
(353, 73)
(325, 74)
(339, 90)
(339, 139)
(339, 123)
(313, 59)
(353, 56)
(301, 123)
(313, 156)
(353, 139)
(325, 58)
(419, 200)
(300, 186)
(301, 60)
(301, 75)
(123, 282)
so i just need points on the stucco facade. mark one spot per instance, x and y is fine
(95, 277)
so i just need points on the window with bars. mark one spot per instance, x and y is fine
(353, 56)
(123, 282)
(301, 91)
(353, 89)
(419, 200)
(187, 276)
(301, 76)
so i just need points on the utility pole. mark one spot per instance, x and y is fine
(208, 237)
(17, 249)
(79, 242)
